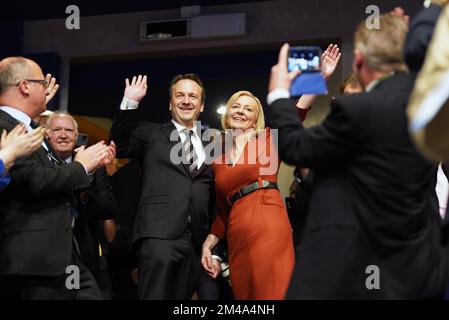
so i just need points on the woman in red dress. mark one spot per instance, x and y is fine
(251, 214)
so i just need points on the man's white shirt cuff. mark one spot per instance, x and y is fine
(217, 258)
(128, 104)
(277, 94)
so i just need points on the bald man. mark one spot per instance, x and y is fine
(38, 256)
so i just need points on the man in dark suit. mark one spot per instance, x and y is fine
(427, 51)
(175, 202)
(373, 227)
(421, 31)
(97, 203)
(36, 232)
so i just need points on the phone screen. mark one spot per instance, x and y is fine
(306, 59)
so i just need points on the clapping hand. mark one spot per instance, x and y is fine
(330, 60)
(111, 154)
(95, 156)
(18, 143)
(137, 89)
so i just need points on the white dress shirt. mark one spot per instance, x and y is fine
(196, 141)
(442, 190)
(19, 116)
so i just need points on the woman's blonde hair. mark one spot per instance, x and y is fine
(260, 123)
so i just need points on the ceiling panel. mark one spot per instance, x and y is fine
(38, 10)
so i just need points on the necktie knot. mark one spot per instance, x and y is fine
(33, 124)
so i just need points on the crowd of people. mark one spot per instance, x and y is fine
(371, 190)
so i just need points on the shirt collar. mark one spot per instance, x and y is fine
(17, 114)
(370, 87)
(373, 84)
(180, 128)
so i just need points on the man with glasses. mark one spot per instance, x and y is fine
(37, 208)
(43, 82)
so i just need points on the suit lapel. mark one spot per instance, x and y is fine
(41, 153)
(52, 151)
(9, 119)
(206, 143)
(203, 167)
(170, 131)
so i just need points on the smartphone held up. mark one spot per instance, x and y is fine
(307, 59)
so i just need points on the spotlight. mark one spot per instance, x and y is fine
(221, 110)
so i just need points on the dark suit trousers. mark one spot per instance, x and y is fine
(52, 288)
(168, 269)
(213, 289)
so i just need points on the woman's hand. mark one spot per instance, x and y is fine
(329, 60)
(212, 266)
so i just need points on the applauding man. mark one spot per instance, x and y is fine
(39, 205)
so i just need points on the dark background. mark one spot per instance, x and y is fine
(97, 89)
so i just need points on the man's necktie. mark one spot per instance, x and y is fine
(191, 159)
(189, 151)
(33, 124)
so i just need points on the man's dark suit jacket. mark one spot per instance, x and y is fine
(35, 223)
(418, 39)
(419, 36)
(373, 201)
(98, 204)
(169, 193)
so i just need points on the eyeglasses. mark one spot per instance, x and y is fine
(43, 82)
